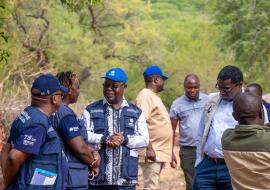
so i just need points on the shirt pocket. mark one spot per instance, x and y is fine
(129, 165)
(47, 165)
(99, 122)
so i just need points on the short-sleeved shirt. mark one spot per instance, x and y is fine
(159, 124)
(188, 112)
(69, 127)
(30, 140)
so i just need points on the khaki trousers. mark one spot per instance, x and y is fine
(151, 174)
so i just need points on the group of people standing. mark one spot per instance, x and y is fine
(224, 138)
(50, 147)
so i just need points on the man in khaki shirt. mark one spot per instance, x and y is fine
(159, 151)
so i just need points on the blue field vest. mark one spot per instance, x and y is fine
(49, 157)
(78, 171)
(128, 119)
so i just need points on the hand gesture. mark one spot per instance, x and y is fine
(115, 140)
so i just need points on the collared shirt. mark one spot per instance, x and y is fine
(139, 140)
(221, 121)
(188, 112)
(159, 124)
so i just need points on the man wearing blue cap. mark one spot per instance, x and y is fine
(36, 159)
(117, 128)
(159, 151)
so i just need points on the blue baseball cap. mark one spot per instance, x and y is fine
(47, 84)
(154, 70)
(116, 74)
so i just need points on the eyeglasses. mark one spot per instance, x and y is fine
(112, 86)
(224, 89)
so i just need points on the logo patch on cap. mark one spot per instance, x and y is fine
(112, 73)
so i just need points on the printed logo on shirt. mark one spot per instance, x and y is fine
(29, 140)
(74, 129)
(131, 122)
(23, 116)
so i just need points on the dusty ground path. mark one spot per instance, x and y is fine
(171, 179)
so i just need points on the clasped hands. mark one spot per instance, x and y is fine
(115, 140)
(95, 163)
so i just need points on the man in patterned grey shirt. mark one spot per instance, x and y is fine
(117, 128)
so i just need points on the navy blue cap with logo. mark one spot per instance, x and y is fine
(47, 84)
(154, 70)
(116, 74)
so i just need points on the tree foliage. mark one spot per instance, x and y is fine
(90, 37)
(4, 54)
(246, 32)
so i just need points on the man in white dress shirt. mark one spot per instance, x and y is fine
(211, 172)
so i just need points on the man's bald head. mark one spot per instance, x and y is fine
(247, 109)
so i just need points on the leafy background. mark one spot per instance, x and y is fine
(90, 36)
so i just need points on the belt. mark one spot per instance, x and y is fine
(188, 147)
(216, 160)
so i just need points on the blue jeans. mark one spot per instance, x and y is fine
(110, 187)
(212, 176)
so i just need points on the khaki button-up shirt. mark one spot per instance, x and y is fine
(159, 124)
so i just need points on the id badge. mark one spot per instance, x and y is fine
(43, 177)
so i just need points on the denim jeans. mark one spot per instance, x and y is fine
(212, 176)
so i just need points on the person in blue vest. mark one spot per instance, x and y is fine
(36, 159)
(73, 135)
(117, 128)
